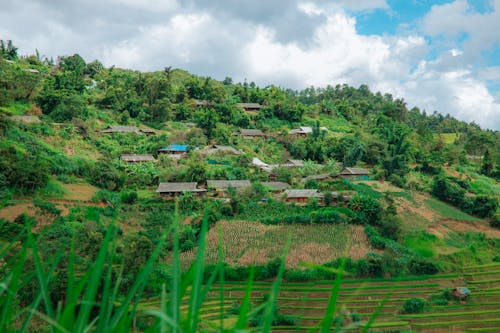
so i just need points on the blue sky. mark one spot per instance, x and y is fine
(438, 55)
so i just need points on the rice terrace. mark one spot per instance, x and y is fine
(249, 166)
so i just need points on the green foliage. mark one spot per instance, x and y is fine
(413, 305)
(367, 209)
(46, 206)
(106, 176)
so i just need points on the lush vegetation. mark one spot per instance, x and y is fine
(86, 243)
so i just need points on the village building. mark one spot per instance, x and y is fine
(294, 163)
(147, 131)
(172, 190)
(355, 173)
(276, 186)
(174, 151)
(137, 158)
(250, 107)
(250, 133)
(221, 186)
(120, 129)
(304, 130)
(26, 119)
(319, 177)
(461, 293)
(213, 149)
(302, 196)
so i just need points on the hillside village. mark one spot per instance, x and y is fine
(168, 171)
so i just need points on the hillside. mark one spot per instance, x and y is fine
(112, 178)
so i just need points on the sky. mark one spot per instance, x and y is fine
(441, 55)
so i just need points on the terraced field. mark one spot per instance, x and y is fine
(378, 301)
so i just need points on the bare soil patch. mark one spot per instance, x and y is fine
(83, 192)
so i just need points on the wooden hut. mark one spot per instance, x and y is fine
(172, 190)
(302, 196)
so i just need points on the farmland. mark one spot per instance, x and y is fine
(377, 302)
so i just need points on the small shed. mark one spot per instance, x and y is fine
(461, 293)
(276, 186)
(294, 163)
(250, 107)
(302, 196)
(220, 186)
(174, 150)
(250, 133)
(318, 177)
(355, 173)
(120, 129)
(26, 119)
(137, 158)
(172, 190)
(304, 130)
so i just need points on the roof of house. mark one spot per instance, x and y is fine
(318, 177)
(224, 184)
(251, 132)
(174, 147)
(354, 171)
(298, 163)
(146, 130)
(258, 162)
(137, 157)
(305, 130)
(179, 187)
(120, 129)
(276, 186)
(303, 194)
(26, 119)
(250, 105)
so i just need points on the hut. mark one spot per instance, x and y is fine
(26, 119)
(137, 158)
(355, 173)
(276, 186)
(318, 177)
(174, 151)
(461, 293)
(304, 130)
(120, 129)
(250, 133)
(172, 190)
(250, 107)
(220, 186)
(294, 163)
(147, 131)
(302, 196)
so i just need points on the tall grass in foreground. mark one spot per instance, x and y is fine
(93, 303)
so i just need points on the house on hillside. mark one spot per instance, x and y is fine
(26, 119)
(221, 186)
(120, 129)
(250, 133)
(174, 151)
(213, 149)
(319, 177)
(355, 173)
(276, 186)
(461, 293)
(137, 158)
(294, 163)
(147, 131)
(302, 196)
(304, 131)
(250, 107)
(172, 190)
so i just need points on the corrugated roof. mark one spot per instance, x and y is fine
(182, 148)
(298, 163)
(303, 194)
(179, 187)
(318, 177)
(137, 157)
(276, 186)
(354, 171)
(224, 184)
(120, 129)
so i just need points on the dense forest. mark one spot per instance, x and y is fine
(74, 210)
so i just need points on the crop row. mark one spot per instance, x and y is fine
(451, 314)
(455, 323)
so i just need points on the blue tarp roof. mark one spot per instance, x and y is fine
(176, 148)
(464, 290)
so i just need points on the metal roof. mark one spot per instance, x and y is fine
(303, 194)
(276, 186)
(179, 187)
(354, 171)
(224, 184)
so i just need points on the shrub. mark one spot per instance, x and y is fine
(418, 266)
(129, 198)
(46, 206)
(413, 305)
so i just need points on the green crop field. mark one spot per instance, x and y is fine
(374, 303)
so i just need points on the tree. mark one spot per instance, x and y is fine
(8, 50)
(487, 166)
(206, 119)
(69, 107)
